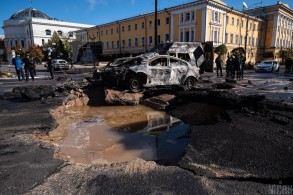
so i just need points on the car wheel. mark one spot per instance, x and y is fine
(190, 82)
(135, 84)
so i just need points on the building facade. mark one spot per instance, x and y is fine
(258, 30)
(32, 27)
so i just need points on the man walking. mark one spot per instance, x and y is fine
(18, 67)
(219, 64)
(28, 69)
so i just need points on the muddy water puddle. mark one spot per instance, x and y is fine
(109, 134)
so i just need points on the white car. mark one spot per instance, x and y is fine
(60, 64)
(267, 66)
(151, 69)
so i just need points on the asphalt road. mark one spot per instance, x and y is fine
(248, 151)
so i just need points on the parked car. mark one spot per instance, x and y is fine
(151, 69)
(267, 66)
(60, 64)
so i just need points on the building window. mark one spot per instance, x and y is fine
(106, 32)
(150, 40)
(122, 28)
(48, 32)
(142, 25)
(107, 45)
(150, 24)
(237, 23)
(129, 28)
(192, 35)
(241, 39)
(254, 26)
(158, 22)
(182, 18)
(250, 26)
(187, 17)
(181, 36)
(142, 41)
(167, 20)
(117, 44)
(112, 31)
(227, 19)
(158, 39)
(135, 27)
(167, 37)
(232, 21)
(231, 38)
(43, 42)
(253, 41)
(236, 39)
(117, 30)
(242, 24)
(226, 37)
(112, 44)
(59, 32)
(102, 33)
(129, 42)
(192, 16)
(215, 17)
(136, 42)
(123, 43)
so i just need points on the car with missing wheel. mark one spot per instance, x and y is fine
(148, 70)
(267, 66)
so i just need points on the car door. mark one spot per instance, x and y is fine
(159, 70)
(179, 69)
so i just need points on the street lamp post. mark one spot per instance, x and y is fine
(246, 29)
(94, 55)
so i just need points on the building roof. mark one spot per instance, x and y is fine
(29, 13)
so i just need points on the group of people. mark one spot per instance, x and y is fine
(24, 67)
(234, 66)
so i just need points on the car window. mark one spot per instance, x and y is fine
(159, 62)
(269, 62)
(177, 62)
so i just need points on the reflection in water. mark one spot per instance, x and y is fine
(122, 133)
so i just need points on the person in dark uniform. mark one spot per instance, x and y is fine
(50, 67)
(219, 64)
(28, 69)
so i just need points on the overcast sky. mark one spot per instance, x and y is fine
(97, 12)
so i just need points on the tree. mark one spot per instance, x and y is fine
(221, 49)
(58, 47)
(238, 51)
(36, 52)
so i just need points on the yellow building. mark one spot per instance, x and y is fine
(267, 29)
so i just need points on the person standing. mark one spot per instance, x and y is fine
(33, 65)
(27, 68)
(50, 67)
(18, 67)
(235, 64)
(229, 66)
(241, 67)
(219, 64)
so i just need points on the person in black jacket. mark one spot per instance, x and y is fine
(50, 67)
(27, 67)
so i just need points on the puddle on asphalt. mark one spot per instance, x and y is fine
(109, 134)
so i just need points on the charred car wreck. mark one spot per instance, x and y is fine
(154, 69)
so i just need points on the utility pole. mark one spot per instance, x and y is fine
(156, 22)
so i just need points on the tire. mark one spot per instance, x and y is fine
(135, 84)
(190, 82)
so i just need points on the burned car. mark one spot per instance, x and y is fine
(149, 70)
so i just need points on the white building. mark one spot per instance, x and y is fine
(32, 27)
